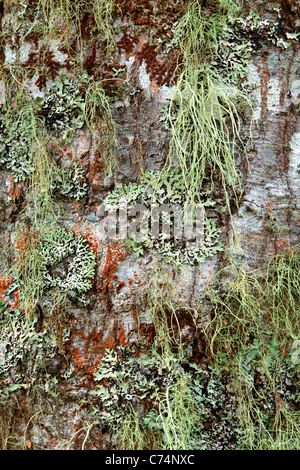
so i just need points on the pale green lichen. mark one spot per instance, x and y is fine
(16, 154)
(67, 263)
(70, 181)
(170, 191)
(62, 109)
(23, 353)
(15, 146)
(126, 380)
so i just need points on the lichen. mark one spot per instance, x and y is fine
(62, 108)
(125, 380)
(67, 263)
(17, 150)
(23, 353)
(15, 146)
(70, 181)
(170, 191)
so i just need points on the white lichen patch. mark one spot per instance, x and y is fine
(254, 82)
(10, 55)
(144, 77)
(67, 263)
(295, 92)
(294, 168)
(274, 95)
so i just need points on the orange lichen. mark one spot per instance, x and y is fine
(26, 241)
(148, 331)
(5, 283)
(115, 254)
(87, 357)
(116, 338)
(96, 171)
(87, 233)
(15, 189)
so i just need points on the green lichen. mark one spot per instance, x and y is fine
(62, 109)
(251, 336)
(262, 32)
(67, 263)
(204, 110)
(126, 380)
(24, 353)
(20, 154)
(70, 181)
(157, 191)
(266, 384)
(130, 382)
(15, 143)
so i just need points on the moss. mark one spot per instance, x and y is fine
(98, 118)
(250, 336)
(257, 302)
(204, 111)
(266, 385)
(134, 435)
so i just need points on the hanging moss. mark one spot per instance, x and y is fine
(204, 115)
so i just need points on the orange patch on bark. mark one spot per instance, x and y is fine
(91, 237)
(5, 283)
(15, 189)
(115, 254)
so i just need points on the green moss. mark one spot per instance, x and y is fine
(266, 384)
(282, 290)
(256, 302)
(133, 435)
(98, 118)
(250, 336)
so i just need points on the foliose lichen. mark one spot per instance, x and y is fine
(23, 353)
(62, 108)
(70, 181)
(16, 155)
(125, 380)
(67, 263)
(15, 146)
(169, 191)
